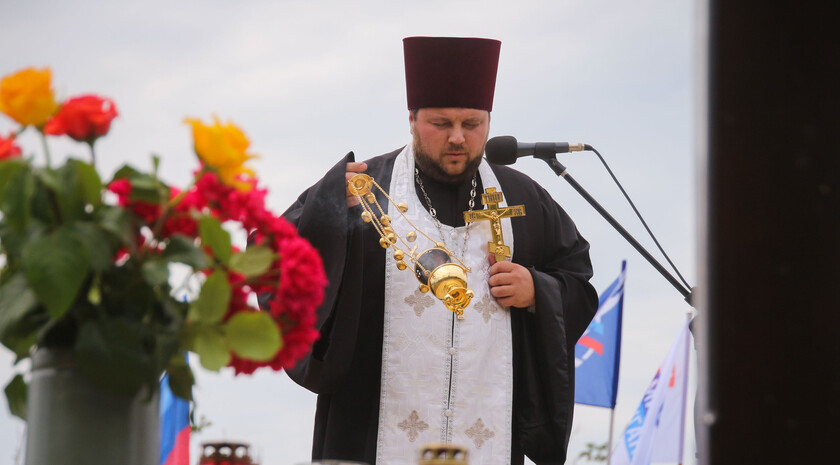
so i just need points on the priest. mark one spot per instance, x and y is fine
(394, 369)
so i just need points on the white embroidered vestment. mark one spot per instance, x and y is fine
(443, 379)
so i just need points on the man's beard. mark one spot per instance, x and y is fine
(436, 172)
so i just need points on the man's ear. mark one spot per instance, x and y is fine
(411, 122)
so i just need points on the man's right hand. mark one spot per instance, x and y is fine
(352, 170)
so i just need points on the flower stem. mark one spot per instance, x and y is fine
(92, 154)
(46, 147)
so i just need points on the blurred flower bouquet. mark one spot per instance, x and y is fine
(89, 266)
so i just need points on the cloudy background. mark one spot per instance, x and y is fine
(309, 81)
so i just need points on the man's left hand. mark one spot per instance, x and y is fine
(511, 284)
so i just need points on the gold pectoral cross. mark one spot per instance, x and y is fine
(494, 214)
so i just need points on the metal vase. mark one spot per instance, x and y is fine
(72, 422)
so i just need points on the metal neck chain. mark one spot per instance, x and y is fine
(434, 213)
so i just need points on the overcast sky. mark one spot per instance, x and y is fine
(309, 81)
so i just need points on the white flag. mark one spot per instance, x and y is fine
(655, 433)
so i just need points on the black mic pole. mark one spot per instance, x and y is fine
(560, 170)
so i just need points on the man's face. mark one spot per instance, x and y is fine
(449, 142)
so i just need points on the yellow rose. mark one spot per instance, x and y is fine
(27, 98)
(222, 148)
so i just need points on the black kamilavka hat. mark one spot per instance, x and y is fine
(450, 72)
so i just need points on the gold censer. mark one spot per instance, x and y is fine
(435, 268)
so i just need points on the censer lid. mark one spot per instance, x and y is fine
(224, 452)
(439, 453)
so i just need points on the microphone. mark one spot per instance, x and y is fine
(504, 150)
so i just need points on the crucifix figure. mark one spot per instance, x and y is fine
(494, 214)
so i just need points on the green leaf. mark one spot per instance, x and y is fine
(90, 183)
(193, 314)
(117, 222)
(174, 310)
(147, 188)
(182, 249)
(113, 355)
(254, 261)
(214, 298)
(214, 236)
(181, 378)
(16, 301)
(156, 272)
(97, 247)
(16, 394)
(168, 323)
(22, 345)
(124, 295)
(13, 241)
(209, 343)
(18, 191)
(43, 206)
(126, 171)
(20, 316)
(9, 170)
(50, 177)
(144, 187)
(56, 267)
(73, 186)
(253, 335)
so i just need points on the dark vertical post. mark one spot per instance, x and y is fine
(770, 233)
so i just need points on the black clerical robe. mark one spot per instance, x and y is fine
(345, 364)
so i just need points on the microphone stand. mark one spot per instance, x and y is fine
(560, 170)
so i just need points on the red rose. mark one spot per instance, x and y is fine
(8, 149)
(148, 212)
(83, 118)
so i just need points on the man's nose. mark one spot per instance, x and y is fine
(456, 136)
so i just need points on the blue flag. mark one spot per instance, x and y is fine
(597, 352)
(174, 427)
